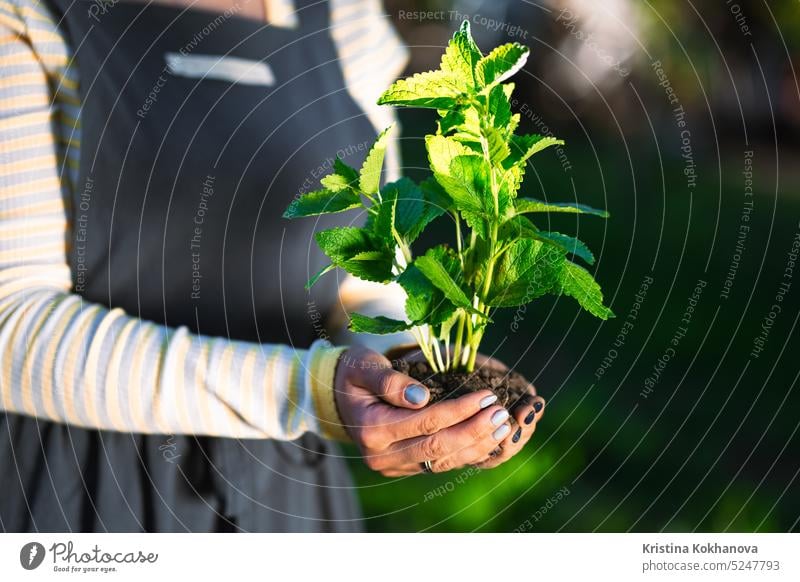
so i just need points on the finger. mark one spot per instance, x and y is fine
(473, 454)
(398, 425)
(518, 438)
(447, 442)
(374, 372)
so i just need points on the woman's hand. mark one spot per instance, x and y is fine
(525, 413)
(383, 412)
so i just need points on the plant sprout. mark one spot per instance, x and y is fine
(501, 258)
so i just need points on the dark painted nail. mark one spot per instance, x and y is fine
(516, 436)
(538, 406)
(530, 417)
(416, 394)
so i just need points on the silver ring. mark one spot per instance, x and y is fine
(426, 467)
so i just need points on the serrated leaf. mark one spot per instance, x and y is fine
(524, 146)
(381, 224)
(500, 64)
(322, 202)
(462, 174)
(370, 175)
(335, 182)
(527, 270)
(436, 196)
(369, 256)
(578, 283)
(432, 89)
(378, 271)
(477, 223)
(358, 252)
(379, 325)
(461, 55)
(497, 146)
(520, 226)
(431, 266)
(527, 205)
(499, 110)
(345, 170)
(424, 302)
(342, 177)
(569, 243)
(450, 121)
(343, 243)
(413, 212)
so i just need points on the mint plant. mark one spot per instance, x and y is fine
(501, 258)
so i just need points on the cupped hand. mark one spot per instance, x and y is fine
(384, 412)
(525, 412)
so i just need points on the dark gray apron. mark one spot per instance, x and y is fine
(147, 163)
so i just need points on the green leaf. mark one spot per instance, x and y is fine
(524, 146)
(477, 223)
(322, 202)
(432, 267)
(312, 281)
(527, 205)
(344, 170)
(424, 303)
(499, 109)
(527, 270)
(501, 63)
(520, 226)
(358, 252)
(436, 196)
(577, 282)
(343, 243)
(376, 325)
(461, 56)
(335, 183)
(432, 89)
(342, 177)
(569, 243)
(378, 271)
(381, 224)
(414, 211)
(370, 176)
(462, 173)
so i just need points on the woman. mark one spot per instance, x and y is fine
(156, 374)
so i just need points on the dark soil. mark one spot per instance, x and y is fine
(509, 386)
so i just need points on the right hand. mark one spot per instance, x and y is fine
(384, 412)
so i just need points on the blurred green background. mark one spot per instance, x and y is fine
(713, 446)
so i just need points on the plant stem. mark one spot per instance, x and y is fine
(459, 340)
(459, 242)
(425, 347)
(436, 350)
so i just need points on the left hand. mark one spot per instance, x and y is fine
(526, 412)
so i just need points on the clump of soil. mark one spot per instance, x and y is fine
(509, 386)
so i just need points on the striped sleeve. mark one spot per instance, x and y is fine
(78, 363)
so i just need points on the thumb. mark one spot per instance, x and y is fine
(392, 386)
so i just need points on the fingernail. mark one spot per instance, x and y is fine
(501, 432)
(537, 406)
(488, 401)
(516, 436)
(530, 417)
(499, 417)
(416, 394)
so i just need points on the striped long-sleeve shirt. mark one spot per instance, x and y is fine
(70, 361)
